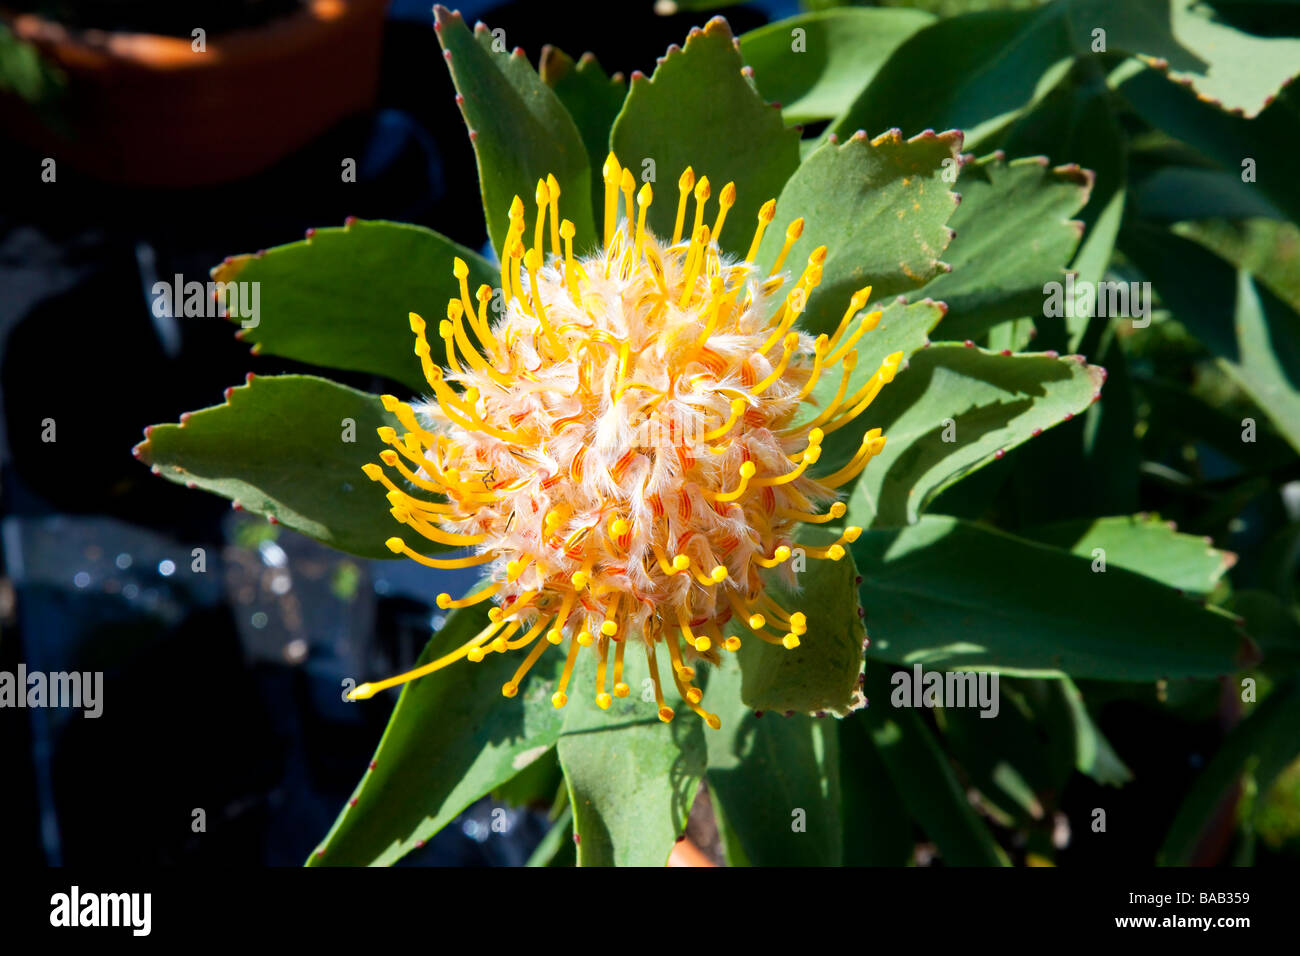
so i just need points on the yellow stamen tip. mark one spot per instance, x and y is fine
(567, 229)
(388, 457)
(681, 562)
(790, 641)
(666, 714)
(756, 621)
(361, 692)
(554, 636)
(509, 690)
(702, 644)
(603, 701)
(694, 695)
(767, 212)
(584, 638)
(475, 655)
(852, 534)
(838, 509)
(619, 526)
(815, 436)
(559, 699)
(621, 689)
(719, 574)
(713, 720)
(645, 195)
(458, 269)
(732, 644)
(795, 229)
(444, 600)
(390, 402)
(782, 553)
(580, 579)
(702, 189)
(541, 194)
(517, 208)
(395, 545)
(373, 471)
(417, 323)
(728, 197)
(609, 628)
(835, 552)
(799, 619)
(686, 181)
(748, 470)
(533, 260)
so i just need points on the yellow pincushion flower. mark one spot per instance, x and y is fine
(619, 447)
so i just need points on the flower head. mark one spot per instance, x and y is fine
(620, 447)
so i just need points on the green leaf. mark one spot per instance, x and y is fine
(764, 770)
(877, 824)
(341, 298)
(994, 403)
(699, 110)
(979, 71)
(283, 447)
(520, 129)
(818, 74)
(924, 779)
(631, 779)
(1261, 746)
(1225, 139)
(1144, 544)
(1015, 232)
(1093, 753)
(593, 99)
(1274, 626)
(972, 73)
(957, 596)
(1260, 350)
(452, 738)
(821, 673)
(879, 207)
(557, 847)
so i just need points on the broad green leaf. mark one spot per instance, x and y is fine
(699, 110)
(341, 297)
(957, 596)
(452, 738)
(535, 786)
(1015, 232)
(776, 779)
(978, 71)
(1269, 249)
(815, 64)
(1232, 68)
(631, 778)
(925, 781)
(954, 410)
(1260, 747)
(1077, 123)
(1144, 544)
(822, 673)
(879, 207)
(1261, 145)
(593, 99)
(520, 130)
(971, 73)
(1260, 349)
(290, 447)
(877, 824)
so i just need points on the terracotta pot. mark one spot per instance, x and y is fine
(149, 110)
